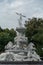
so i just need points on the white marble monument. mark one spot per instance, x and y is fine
(20, 50)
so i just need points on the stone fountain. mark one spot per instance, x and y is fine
(20, 50)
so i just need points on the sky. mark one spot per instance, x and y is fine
(8, 9)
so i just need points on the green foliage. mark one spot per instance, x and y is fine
(6, 35)
(38, 38)
(33, 26)
(4, 38)
(12, 33)
(34, 32)
(1, 29)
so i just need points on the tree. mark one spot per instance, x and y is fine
(33, 26)
(6, 30)
(1, 29)
(11, 32)
(4, 39)
(6, 35)
(34, 32)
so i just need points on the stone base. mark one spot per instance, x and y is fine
(22, 63)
